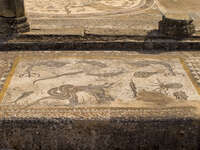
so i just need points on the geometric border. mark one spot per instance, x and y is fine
(187, 69)
(9, 78)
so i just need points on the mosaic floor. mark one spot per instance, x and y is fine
(99, 85)
(85, 81)
(82, 7)
(98, 16)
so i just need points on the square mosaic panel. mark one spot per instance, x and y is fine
(96, 82)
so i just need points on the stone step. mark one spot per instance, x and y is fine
(97, 39)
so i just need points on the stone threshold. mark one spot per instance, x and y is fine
(115, 32)
(128, 45)
(81, 40)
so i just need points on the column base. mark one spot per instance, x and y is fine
(176, 26)
(14, 25)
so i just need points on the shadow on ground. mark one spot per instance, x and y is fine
(115, 134)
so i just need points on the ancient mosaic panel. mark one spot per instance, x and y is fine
(99, 82)
(84, 7)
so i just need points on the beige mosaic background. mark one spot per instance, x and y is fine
(74, 7)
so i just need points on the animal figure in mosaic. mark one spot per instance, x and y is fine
(144, 74)
(180, 95)
(146, 63)
(50, 64)
(69, 92)
(93, 63)
(164, 87)
(23, 95)
(99, 5)
(58, 76)
(111, 74)
(105, 75)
